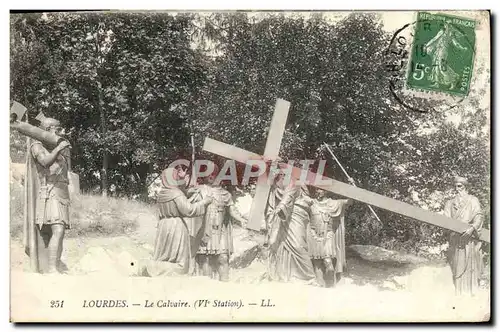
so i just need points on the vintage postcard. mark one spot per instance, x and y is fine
(246, 166)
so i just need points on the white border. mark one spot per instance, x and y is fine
(192, 5)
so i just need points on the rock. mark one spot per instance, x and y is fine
(108, 261)
(247, 247)
(244, 255)
(432, 279)
(251, 274)
(376, 254)
(127, 264)
(401, 281)
(97, 260)
(148, 247)
(390, 285)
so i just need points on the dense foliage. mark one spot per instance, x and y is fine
(133, 87)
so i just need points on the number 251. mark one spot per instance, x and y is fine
(56, 304)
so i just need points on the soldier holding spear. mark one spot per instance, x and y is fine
(326, 234)
(47, 197)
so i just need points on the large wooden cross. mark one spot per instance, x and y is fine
(271, 152)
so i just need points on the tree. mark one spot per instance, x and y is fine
(336, 79)
(118, 81)
(148, 81)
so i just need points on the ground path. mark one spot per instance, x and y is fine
(100, 269)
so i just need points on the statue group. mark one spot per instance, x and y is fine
(305, 230)
(304, 238)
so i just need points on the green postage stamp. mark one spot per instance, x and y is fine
(442, 56)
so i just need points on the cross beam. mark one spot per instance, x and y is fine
(343, 189)
(271, 152)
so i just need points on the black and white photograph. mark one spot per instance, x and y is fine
(250, 166)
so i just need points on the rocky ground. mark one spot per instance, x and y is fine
(102, 252)
(379, 285)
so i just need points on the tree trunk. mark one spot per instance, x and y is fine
(104, 170)
(102, 112)
(141, 186)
